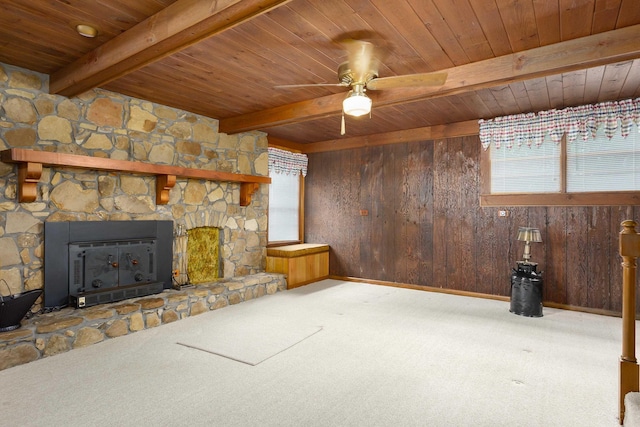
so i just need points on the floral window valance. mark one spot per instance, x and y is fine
(574, 122)
(286, 162)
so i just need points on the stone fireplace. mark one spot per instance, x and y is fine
(103, 124)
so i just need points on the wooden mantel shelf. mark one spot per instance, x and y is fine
(30, 163)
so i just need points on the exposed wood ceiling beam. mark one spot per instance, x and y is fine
(286, 144)
(174, 28)
(451, 130)
(586, 52)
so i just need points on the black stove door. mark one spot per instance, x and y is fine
(92, 267)
(137, 263)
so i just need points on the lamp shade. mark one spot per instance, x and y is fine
(529, 234)
(356, 104)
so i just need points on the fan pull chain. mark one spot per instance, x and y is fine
(342, 126)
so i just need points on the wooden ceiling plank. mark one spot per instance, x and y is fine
(34, 62)
(306, 31)
(576, 18)
(519, 19)
(100, 14)
(400, 52)
(547, 21)
(538, 95)
(325, 19)
(315, 61)
(456, 108)
(342, 13)
(631, 86)
(419, 115)
(174, 28)
(573, 87)
(592, 84)
(463, 22)
(600, 49)
(55, 44)
(521, 96)
(491, 102)
(554, 87)
(438, 27)
(240, 61)
(428, 110)
(286, 60)
(605, 15)
(177, 90)
(137, 10)
(32, 33)
(195, 64)
(613, 80)
(506, 99)
(194, 68)
(137, 89)
(479, 107)
(629, 13)
(491, 23)
(321, 23)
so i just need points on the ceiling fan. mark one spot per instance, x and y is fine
(360, 73)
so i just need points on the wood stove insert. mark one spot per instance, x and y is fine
(90, 263)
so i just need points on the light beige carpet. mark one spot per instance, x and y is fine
(250, 339)
(385, 357)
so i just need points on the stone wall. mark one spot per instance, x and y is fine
(105, 124)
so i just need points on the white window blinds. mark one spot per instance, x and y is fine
(525, 169)
(604, 164)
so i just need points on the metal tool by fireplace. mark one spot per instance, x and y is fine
(14, 307)
(181, 275)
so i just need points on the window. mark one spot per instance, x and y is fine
(525, 169)
(284, 207)
(608, 165)
(286, 196)
(589, 155)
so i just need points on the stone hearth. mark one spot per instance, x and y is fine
(60, 331)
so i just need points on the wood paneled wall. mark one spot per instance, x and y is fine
(410, 213)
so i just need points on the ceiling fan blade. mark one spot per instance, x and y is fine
(311, 85)
(362, 60)
(409, 80)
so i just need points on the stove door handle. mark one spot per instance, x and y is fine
(111, 262)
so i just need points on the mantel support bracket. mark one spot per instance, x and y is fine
(164, 184)
(28, 177)
(246, 191)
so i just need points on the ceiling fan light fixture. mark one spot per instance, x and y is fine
(356, 104)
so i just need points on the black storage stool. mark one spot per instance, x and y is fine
(526, 290)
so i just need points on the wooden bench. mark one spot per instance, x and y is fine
(302, 263)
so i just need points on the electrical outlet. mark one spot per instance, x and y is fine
(503, 213)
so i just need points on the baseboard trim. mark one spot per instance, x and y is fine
(549, 304)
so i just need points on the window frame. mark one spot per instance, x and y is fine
(563, 198)
(273, 244)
